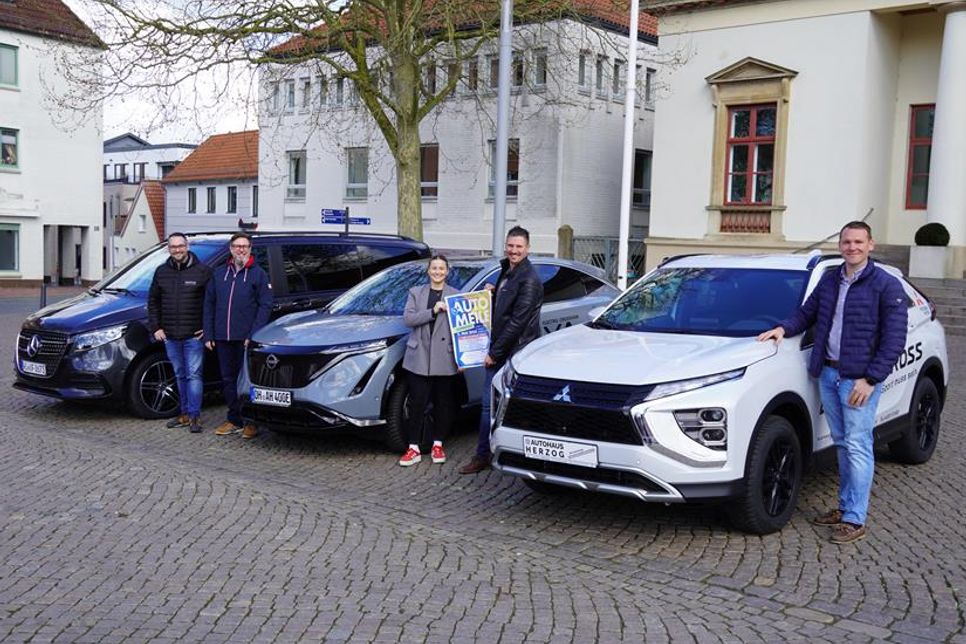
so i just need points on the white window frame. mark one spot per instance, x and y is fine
(306, 83)
(15, 265)
(211, 200)
(323, 92)
(192, 206)
(5, 134)
(15, 54)
(600, 81)
(338, 96)
(512, 185)
(650, 75)
(296, 171)
(356, 190)
(471, 76)
(618, 80)
(275, 97)
(424, 185)
(290, 95)
(142, 222)
(231, 200)
(584, 84)
(641, 195)
(540, 68)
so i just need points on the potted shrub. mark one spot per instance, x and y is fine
(928, 257)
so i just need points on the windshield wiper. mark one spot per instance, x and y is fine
(601, 324)
(116, 289)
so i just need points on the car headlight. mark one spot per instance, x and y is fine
(680, 386)
(508, 378)
(339, 380)
(358, 347)
(86, 341)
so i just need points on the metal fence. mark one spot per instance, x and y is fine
(602, 252)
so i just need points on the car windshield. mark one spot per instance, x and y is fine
(385, 293)
(136, 275)
(735, 302)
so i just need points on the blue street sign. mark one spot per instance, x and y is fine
(333, 212)
(360, 221)
(340, 219)
(333, 219)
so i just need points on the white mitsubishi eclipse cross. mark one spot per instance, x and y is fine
(667, 395)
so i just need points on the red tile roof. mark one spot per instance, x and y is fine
(48, 18)
(154, 191)
(610, 14)
(222, 156)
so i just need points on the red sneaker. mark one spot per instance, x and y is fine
(439, 456)
(411, 457)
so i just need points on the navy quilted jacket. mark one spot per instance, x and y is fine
(873, 323)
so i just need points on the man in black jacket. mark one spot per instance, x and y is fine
(516, 321)
(175, 307)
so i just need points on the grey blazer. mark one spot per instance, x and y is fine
(429, 351)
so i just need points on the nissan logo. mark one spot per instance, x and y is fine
(271, 361)
(33, 347)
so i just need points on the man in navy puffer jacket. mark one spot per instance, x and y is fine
(237, 303)
(859, 313)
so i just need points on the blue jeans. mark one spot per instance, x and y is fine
(851, 429)
(186, 357)
(483, 444)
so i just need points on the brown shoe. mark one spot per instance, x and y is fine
(847, 533)
(475, 466)
(832, 517)
(227, 428)
(249, 431)
(180, 421)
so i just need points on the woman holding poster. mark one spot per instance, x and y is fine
(429, 363)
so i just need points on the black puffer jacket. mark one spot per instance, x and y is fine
(177, 297)
(516, 313)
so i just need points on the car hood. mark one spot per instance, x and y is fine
(320, 329)
(625, 357)
(88, 311)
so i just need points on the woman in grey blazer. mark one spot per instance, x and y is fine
(429, 362)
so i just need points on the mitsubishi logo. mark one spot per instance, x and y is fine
(563, 395)
(33, 347)
(271, 361)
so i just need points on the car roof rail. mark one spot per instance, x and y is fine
(314, 233)
(671, 258)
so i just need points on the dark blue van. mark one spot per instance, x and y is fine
(96, 346)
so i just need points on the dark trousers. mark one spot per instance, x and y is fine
(483, 442)
(231, 356)
(421, 390)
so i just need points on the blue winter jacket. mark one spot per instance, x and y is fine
(873, 323)
(237, 302)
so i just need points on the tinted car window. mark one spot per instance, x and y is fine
(321, 267)
(376, 257)
(708, 301)
(136, 276)
(561, 283)
(386, 292)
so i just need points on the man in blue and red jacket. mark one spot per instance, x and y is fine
(859, 313)
(238, 302)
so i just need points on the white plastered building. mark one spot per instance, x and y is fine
(789, 118)
(320, 150)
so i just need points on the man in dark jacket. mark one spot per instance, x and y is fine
(175, 305)
(515, 322)
(859, 313)
(238, 302)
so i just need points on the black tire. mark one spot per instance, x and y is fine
(152, 391)
(773, 479)
(541, 487)
(918, 441)
(397, 416)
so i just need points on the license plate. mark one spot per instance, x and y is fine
(34, 368)
(549, 449)
(274, 397)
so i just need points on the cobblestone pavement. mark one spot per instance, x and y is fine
(115, 529)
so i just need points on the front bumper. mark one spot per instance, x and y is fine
(301, 416)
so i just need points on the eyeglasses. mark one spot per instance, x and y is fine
(177, 246)
(240, 246)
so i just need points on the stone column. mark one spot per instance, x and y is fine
(947, 165)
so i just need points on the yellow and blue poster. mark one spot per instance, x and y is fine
(469, 321)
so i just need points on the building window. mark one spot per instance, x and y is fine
(140, 169)
(920, 147)
(8, 65)
(254, 201)
(232, 199)
(617, 81)
(429, 170)
(357, 176)
(107, 167)
(641, 196)
(599, 75)
(306, 93)
(211, 201)
(540, 68)
(453, 72)
(512, 168)
(338, 96)
(472, 79)
(429, 77)
(583, 78)
(120, 171)
(323, 89)
(649, 77)
(494, 65)
(273, 90)
(517, 71)
(142, 223)
(296, 176)
(192, 200)
(9, 247)
(352, 93)
(289, 95)
(750, 155)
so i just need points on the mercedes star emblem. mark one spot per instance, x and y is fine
(33, 347)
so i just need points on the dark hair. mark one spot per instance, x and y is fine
(181, 235)
(857, 225)
(439, 257)
(240, 236)
(519, 231)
